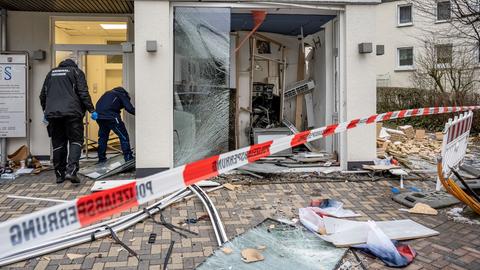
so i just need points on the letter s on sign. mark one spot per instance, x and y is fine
(8, 73)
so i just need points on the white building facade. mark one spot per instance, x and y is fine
(404, 27)
(349, 76)
(346, 66)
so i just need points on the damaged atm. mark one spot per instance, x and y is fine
(244, 76)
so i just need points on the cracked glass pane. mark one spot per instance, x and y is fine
(282, 246)
(201, 82)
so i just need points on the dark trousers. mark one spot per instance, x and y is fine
(67, 138)
(118, 127)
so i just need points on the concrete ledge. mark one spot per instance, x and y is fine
(144, 172)
(358, 165)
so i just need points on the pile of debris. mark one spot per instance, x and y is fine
(20, 162)
(405, 141)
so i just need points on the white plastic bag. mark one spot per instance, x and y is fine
(311, 220)
(380, 245)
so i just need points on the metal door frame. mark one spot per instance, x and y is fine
(79, 51)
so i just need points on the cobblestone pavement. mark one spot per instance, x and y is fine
(457, 246)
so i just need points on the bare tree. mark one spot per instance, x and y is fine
(463, 16)
(466, 18)
(447, 72)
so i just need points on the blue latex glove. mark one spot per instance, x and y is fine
(45, 121)
(94, 116)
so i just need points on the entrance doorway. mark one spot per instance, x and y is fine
(96, 48)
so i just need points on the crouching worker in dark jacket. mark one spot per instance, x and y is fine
(64, 99)
(108, 109)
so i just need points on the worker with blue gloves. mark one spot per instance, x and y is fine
(108, 117)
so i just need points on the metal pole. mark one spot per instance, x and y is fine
(36, 199)
(3, 145)
(252, 66)
(3, 13)
(3, 141)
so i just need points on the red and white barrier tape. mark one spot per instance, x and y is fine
(53, 222)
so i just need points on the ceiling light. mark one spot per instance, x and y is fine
(112, 26)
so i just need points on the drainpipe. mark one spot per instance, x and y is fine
(3, 21)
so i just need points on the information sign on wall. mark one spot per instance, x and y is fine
(13, 94)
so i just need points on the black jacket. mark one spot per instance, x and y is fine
(65, 92)
(112, 102)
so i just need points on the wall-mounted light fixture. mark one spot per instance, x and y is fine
(151, 45)
(365, 47)
(39, 55)
(380, 50)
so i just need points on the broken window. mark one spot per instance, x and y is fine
(201, 82)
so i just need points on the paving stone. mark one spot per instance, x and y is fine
(457, 246)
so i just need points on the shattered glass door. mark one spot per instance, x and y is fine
(201, 82)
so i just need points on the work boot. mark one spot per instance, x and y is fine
(101, 162)
(60, 179)
(72, 167)
(73, 178)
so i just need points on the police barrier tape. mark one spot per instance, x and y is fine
(53, 222)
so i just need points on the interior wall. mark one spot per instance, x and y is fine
(129, 84)
(30, 31)
(243, 91)
(321, 71)
(291, 50)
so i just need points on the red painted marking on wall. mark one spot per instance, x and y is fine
(300, 138)
(200, 170)
(96, 206)
(330, 130)
(259, 151)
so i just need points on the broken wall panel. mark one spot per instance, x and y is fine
(201, 83)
